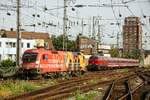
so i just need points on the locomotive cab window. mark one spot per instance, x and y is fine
(45, 57)
(29, 57)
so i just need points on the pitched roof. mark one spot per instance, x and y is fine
(27, 35)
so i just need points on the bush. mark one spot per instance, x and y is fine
(7, 63)
(7, 68)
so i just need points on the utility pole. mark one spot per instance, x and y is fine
(82, 26)
(65, 24)
(94, 51)
(89, 27)
(118, 40)
(99, 34)
(141, 52)
(99, 30)
(93, 34)
(141, 57)
(18, 35)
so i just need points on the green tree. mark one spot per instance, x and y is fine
(114, 52)
(58, 43)
(126, 54)
(135, 54)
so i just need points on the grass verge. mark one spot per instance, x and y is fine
(15, 87)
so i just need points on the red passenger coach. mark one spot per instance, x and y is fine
(100, 62)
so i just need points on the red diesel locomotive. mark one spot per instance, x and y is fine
(99, 62)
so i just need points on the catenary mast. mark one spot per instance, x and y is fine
(18, 35)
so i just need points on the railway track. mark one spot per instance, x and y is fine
(120, 86)
(124, 90)
(66, 88)
(145, 90)
(61, 88)
(87, 74)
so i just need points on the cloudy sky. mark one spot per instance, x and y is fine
(47, 16)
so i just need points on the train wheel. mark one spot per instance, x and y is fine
(60, 75)
(82, 72)
(37, 77)
(78, 73)
(24, 77)
(68, 75)
(56, 75)
(48, 75)
(99, 68)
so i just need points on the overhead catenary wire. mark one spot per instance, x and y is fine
(72, 16)
(117, 25)
(144, 16)
(115, 17)
(72, 19)
(130, 11)
(79, 18)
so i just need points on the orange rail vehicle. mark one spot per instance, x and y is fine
(45, 62)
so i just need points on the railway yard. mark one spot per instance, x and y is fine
(75, 50)
(120, 84)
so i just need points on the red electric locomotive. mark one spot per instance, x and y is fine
(40, 61)
(100, 62)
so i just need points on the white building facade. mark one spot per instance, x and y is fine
(8, 47)
(104, 49)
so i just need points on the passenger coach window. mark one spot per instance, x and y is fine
(45, 57)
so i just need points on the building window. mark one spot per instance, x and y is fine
(46, 45)
(28, 45)
(10, 44)
(7, 45)
(22, 45)
(10, 56)
(14, 44)
(0, 44)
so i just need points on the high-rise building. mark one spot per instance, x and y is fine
(132, 34)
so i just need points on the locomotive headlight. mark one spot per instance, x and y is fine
(37, 64)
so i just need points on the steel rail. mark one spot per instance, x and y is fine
(131, 92)
(56, 88)
(130, 97)
(69, 92)
(111, 88)
(28, 94)
(109, 93)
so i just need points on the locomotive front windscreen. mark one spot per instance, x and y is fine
(29, 57)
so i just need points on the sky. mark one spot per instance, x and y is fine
(47, 16)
